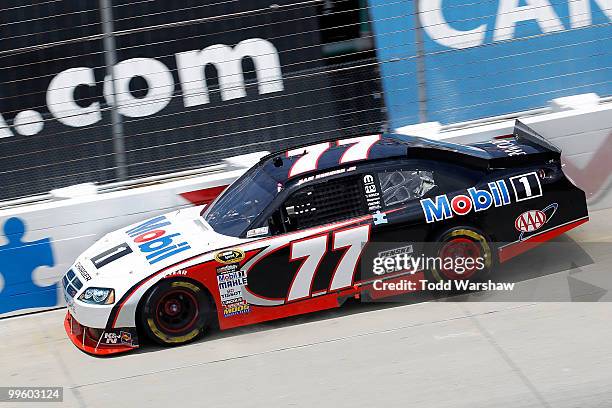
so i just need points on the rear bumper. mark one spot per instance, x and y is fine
(100, 341)
(513, 249)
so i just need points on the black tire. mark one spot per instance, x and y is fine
(466, 242)
(175, 312)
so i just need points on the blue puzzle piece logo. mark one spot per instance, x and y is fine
(18, 260)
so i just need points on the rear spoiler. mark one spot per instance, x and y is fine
(542, 150)
(485, 155)
(525, 134)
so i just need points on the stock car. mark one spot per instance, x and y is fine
(288, 237)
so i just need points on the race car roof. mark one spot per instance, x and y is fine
(280, 164)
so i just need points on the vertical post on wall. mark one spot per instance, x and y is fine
(364, 18)
(420, 63)
(110, 60)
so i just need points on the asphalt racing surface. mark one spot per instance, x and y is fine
(497, 352)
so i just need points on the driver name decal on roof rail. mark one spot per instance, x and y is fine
(326, 174)
(525, 187)
(154, 242)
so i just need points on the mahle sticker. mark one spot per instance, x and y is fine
(229, 256)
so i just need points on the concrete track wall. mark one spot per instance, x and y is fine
(39, 241)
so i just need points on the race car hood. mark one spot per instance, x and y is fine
(139, 250)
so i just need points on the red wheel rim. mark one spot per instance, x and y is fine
(177, 310)
(460, 248)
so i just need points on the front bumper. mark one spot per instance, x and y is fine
(100, 341)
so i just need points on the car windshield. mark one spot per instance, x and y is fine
(232, 213)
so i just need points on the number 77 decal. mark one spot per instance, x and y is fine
(312, 250)
(309, 161)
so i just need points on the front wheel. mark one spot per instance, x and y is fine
(462, 253)
(175, 312)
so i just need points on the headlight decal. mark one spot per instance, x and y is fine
(98, 296)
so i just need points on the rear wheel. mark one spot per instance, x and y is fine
(175, 312)
(464, 254)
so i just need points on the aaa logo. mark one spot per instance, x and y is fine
(530, 221)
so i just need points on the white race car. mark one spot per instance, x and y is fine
(289, 236)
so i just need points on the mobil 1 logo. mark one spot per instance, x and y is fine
(526, 186)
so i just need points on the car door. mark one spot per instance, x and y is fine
(394, 191)
(317, 236)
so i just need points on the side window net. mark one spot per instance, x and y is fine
(327, 202)
(401, 186)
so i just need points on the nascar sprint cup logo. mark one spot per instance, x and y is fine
(229, 256)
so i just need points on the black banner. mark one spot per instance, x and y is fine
(195, 82)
